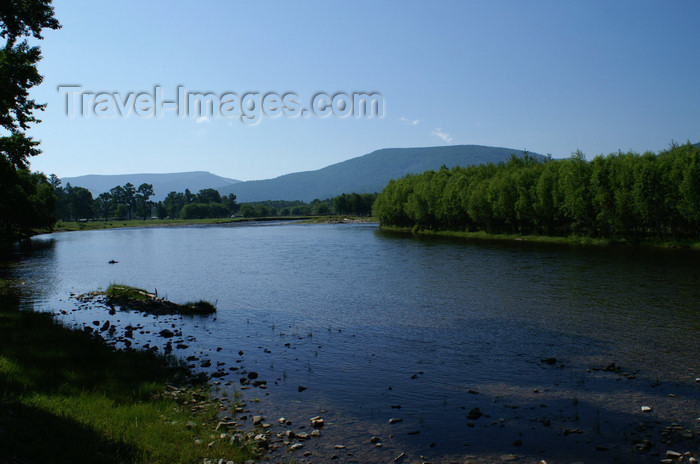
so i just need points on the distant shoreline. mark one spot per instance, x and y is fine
(549, 239)
(120, 224)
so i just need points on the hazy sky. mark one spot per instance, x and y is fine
(546, 76)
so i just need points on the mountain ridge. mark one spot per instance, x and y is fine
(163, 183)
(367, 173)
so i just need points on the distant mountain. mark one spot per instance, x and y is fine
(162, 183)
(366, 174)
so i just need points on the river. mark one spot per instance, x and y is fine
(483, 350)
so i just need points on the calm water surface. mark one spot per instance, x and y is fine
(377, 326)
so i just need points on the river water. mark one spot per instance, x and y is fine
(374, 326)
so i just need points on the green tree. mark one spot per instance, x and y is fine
(194, 211)
(104, 206)
(218, 210)
(21, 204)
(174, 203)
(208, 195)
(161, 210)
(122, 212)
(248, 211)
(62, 209)
(80, 203)
(142, 204)
(229, 201)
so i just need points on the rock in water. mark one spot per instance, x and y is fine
(474, 414)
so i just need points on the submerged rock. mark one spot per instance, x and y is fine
(474, 414)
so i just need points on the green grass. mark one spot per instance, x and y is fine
(339, 219)
(97, 225)
(141, 300)
(126, 292)
(568, 240)
(68, 397)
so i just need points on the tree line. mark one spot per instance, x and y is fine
(129, 202)
(355, 204)
(620, 196)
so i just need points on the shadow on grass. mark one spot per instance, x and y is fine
(47, 372)
(29, 434)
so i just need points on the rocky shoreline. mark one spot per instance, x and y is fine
(308, 433)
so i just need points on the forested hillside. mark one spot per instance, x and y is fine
(620, 196)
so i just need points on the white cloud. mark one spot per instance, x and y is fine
(410, 122)
(443, 135)
(202, 120)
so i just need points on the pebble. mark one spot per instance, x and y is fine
(646, 408)
(317, 422)
(395, 420)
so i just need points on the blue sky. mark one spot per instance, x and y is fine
(546, 76)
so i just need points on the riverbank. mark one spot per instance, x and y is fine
(558, 240)
(99, 225)
(69, 397)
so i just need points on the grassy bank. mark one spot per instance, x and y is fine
(569, 240)
(68, 397)
(98, 225)
(340, 220)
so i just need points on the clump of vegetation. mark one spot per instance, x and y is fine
(141, 300)
(201, 307)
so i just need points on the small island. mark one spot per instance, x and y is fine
(140, 300)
